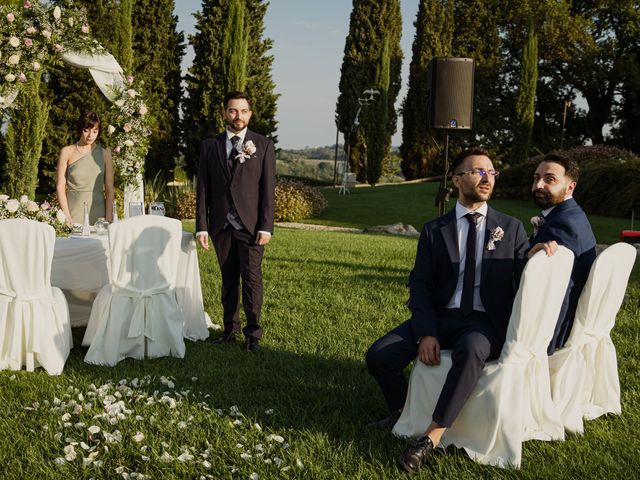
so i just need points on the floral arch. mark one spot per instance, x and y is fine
(34, 36)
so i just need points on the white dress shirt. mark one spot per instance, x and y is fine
(463, 229)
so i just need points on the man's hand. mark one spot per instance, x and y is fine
(549, 247)
(203, 240)
(262, 238)
(429, 351)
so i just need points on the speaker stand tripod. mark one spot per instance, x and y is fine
(444, 191)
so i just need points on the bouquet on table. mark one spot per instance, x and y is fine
(44, 212)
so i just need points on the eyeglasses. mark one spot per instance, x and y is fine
(480, 172)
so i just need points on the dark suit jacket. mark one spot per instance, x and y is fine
(568, 225)
(250, 186)
(433, 279)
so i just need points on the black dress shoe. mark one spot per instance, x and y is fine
(414, 456)
(251, 344)
(387, 423)
(225, 338)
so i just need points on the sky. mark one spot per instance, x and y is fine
(308, 38)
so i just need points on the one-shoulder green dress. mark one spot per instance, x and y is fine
(85, 183)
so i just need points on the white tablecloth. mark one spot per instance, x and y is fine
(81, 268)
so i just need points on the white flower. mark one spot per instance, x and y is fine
(13, 205)
(14, 59)
(24, 199)
(138, 437)
(57, 13)
(132, 93)
(71, 21)
(85, 28)
(129, 143)
(10, 17)
(249, 147)
(111, 129)
(9, 77)
(120, 102)
(496, 235)
(61, 218)
(4, 198)
(143, 109)
(36, 66)
(31, 30)
(46, 34)
(14, 41)
(32, 207)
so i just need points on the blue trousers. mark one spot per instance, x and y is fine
(473, 339)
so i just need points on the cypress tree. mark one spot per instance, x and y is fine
(206, 79)
(156, 65)
(378, 114)
(434, 29)
(525, 105)
(23, 142)
(371, 22)
(124, 34)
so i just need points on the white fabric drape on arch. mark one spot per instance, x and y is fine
(109, 77)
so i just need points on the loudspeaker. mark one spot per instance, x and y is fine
(451, 98)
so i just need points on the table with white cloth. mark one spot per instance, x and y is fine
(81, 267)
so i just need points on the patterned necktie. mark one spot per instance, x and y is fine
(235, 140)
(469, 278)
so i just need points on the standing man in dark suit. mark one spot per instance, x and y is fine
(461, 292)
(562, 222)
(234, 204)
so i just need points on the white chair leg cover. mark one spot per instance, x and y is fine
(35, 329)
(137, 315)
(512, 400)
(584, 374)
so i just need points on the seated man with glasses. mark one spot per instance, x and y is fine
(461, 290)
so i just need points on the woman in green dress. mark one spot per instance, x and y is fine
(85, 174)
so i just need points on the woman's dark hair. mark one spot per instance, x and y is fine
(88, 120)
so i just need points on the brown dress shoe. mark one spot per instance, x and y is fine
(387, 423)
(251, 344)
(414, 456)
(225, 338)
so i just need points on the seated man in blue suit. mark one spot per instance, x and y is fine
(562, 222)
(461, 292)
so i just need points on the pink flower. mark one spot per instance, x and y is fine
(117, 150)
(10, 17)
(36, 66)
(127, 127)
(131, 92)
(27, 4)
(58, 47)
(45, 205)
(46, 34)
(130, 79)
(31, 30)
(22, 77)
(143, 110)
(85, 28)
(28, 42)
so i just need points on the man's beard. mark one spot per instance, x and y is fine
(236, 125)
(545, 199)
(474, 195)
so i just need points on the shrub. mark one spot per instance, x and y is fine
(186, 205)
(607, 185)
(296, 201)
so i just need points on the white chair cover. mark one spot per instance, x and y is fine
(512, 401)
(34, 319)
(137, 314)
(584, 374)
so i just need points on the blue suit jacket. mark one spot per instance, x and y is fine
(433, 280)
(568, 225)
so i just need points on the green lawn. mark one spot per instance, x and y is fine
(298, 409)
(414, 204)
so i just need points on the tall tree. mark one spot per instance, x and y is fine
(23, 142)
(371, 22)
(525, 104)
(216, 26)
(377, 118)
(434, 29)
(156, 63)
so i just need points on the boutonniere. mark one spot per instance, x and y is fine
(495, 235)
(538, 222)
(248, 149)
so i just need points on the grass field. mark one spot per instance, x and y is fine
(296, 410)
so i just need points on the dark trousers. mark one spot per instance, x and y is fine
(473, 340)
(240, 257)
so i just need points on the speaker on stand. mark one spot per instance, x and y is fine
(450, 106)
